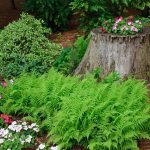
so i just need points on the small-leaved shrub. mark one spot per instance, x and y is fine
(112, 114)
(24, 47)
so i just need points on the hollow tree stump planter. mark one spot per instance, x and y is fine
(124, 54)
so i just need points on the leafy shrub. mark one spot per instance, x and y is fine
(53, 12)
(140, 4)
(24, 47)
(71, 57)
(93, 12)
(111, 114)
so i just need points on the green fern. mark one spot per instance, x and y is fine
(109, 115)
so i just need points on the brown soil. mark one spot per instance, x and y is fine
(78, 148)
(144, 145)
(66, 38)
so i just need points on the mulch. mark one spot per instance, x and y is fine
(66, 38)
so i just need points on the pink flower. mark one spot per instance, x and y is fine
(4, 84)
(121, 18)
(138, 21)
(134, 29)
(129, 22)
(114, 28)
(118, 19)
(124, 28)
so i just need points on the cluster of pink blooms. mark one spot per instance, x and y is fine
(117, 20)
(4, 84)
(130, 25)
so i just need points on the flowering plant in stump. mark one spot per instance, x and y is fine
(125, 26)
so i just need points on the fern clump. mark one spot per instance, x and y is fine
(103, 116)
(37, 98)
(112, 114)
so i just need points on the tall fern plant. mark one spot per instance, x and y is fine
(103, 116)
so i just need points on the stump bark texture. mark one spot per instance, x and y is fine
(124, 54)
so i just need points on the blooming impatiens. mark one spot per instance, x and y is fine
(41, 146)
(54, 148)
(127, 26)
(18, 133)
(124, 26)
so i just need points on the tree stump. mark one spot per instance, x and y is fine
(124, 54)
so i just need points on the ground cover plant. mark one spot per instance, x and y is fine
(24, 47)
(112, 114)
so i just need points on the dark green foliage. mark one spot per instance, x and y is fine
(140, 4)
(24, 47)
(111, 114)
(53, 12)
(93, 12)
(71, 57)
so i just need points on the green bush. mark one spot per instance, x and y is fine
(54, 12)
(112, 114)
(71, 57)
(24, 47)
(140, 4)
(93, 12)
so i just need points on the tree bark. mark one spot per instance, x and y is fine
(124, 54)
(13, 4)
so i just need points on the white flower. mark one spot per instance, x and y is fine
(41, 146)
(11, 81)
(25, 128)
(12, 127)
(22, 142)
(1, 141)
(24, 123)
(29, 138)
(9, 135)
(18, 128)
(36, 129)
(14, 123)
(33, 125)
(4, 132)
(30, 127)
(54, 148)
(8, 149)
